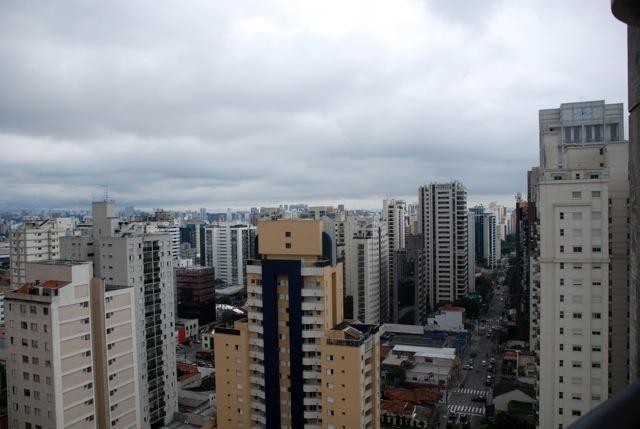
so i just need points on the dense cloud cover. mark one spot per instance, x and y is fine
(236, 103)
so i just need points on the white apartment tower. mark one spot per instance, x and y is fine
(393, 215)
(145, 262)
(443, 223)
(366, 267)
(71, 347)
(582, 206)
(228, 246)
(35, 240)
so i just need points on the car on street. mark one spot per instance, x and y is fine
(464, 420)
(467, 367)
(484, 363)
(452, 416)
(492, 360)
(487, 383)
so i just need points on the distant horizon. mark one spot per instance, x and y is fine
(372, 204)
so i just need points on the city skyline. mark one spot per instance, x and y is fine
(175, 110)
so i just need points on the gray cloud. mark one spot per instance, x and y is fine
(231, 104)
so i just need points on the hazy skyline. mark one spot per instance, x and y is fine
(238, 104)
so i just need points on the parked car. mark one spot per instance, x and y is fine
(484, 363)
(488, 382)
(492, 360)
(467, 367)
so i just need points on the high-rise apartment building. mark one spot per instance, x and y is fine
(144, 261)
(366, 267)
(196, 294)
(228, 247)
(35, 240)
(442, 221)
(72, 350)
(393, 215)
(583, 257)
(471, 250)
(294, 363)
(486, 238)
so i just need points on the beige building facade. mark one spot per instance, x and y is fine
(71, 350)
(284, 366)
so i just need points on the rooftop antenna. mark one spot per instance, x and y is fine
(106, 192)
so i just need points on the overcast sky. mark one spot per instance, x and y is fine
(187, 104)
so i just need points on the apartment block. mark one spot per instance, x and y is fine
(366, 268)
(293, 362)
(583, 280)
(35, 240)
(442, 222)
(71, 347)
(125, 256)
(228, 246)
(393, 215)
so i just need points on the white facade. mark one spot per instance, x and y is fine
(33, 241)
(393, 215)
(228, 246)
(582, 276)
(443, 222)
(366, 266)
(424, 365)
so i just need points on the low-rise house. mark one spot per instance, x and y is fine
(514, 393)
(423, 365)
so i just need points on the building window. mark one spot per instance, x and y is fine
(577, 249)
(576, 215)
(596, 215)
(577, 232)
(561, 215)
(596, 249)
(576, 412)
(287, 234)
(287, 245)
(562, 314)
(561, 298)
(576, 195)
(561, 249)
(595, 315)
(595, 194)
(596, 348)
(577, 348)
(561, 364)
(577, 315)
(561, 232)
(560, 411)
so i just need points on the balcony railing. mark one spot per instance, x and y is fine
(619, 411)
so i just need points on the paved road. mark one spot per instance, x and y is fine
(471, 383)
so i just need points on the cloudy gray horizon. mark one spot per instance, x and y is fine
(187, 104)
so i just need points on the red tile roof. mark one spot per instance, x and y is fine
(418, 396)
(397, 407)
